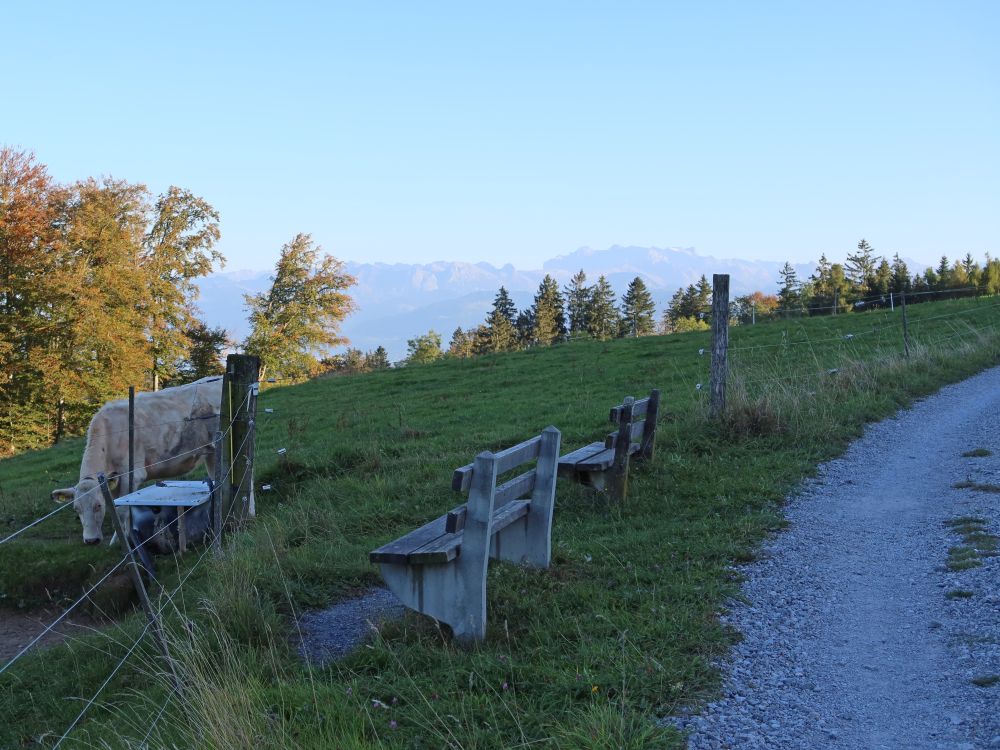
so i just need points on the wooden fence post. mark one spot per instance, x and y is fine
(648, 445)
(131, 439)
(720, 342)
(239, 388)
(906, 328)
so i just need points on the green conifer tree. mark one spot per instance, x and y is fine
(638, 309)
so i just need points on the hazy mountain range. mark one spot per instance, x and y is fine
(400, 301)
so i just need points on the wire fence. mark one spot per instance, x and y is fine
(164, 600)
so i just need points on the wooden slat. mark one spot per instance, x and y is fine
(638, 410)
(598, 461)
(516, 488)
(455, 519)
(570, 459)
(447, 547)
(507, 459)
(399, 550)
(512, 511)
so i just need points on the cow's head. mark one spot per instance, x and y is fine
(88, 502)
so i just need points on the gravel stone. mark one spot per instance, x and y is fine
(851, 598)
(332, 633)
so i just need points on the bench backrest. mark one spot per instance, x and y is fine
(636, 421)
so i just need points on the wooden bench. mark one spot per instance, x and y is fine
(605, 464)
(440, 568)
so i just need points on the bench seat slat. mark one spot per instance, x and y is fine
(570, 459)
(399, 550)
(447, 546)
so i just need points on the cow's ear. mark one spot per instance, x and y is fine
(64, 495)
(113, 483)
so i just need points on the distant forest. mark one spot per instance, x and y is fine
(97, 293)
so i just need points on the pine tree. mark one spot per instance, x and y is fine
(638, 309)
(462, 344)
(788, 292)
(860, 268)
(300, 315)
(943, 272)
(577, 300)
(378, 359)
(900, 275)
(500, 334)
(548, 316)
(602, 314)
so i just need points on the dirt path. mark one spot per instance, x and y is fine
(856, 632)
(17, 629)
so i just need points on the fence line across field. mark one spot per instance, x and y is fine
(65, 613)
(158, 614)
(37, 521)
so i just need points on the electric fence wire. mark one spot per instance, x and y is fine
(37, 521)
(125, 558)
(165, 603)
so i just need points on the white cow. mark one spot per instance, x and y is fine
(174, 430)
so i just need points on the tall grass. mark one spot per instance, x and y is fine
(622, 629)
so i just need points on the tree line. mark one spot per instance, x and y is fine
(97, 293)
(865, 279)
(555, 315)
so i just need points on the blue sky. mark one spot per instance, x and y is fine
(512, 132)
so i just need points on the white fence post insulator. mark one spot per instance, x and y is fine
(282, 451)
(269, 411)
(720, 342)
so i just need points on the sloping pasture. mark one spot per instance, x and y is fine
(621, 630)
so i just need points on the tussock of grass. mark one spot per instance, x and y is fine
(970, 485)
(960, 594)
(986, 680)
(977, 453)
(628, 607)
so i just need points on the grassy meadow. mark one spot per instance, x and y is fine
(620, 631)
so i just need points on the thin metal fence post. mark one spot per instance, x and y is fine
(140, 587)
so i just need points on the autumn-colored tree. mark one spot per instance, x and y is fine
(179, 248)
(299, 317)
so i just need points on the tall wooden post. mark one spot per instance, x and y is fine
(720, 342)
(237, 417)
(131, 439)
(906, 327)
(836, 300)
(618, 479)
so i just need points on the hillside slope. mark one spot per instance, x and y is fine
(621, 630)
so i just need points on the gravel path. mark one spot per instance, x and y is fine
(850, 637)
(332, 633)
